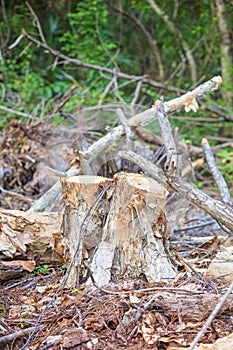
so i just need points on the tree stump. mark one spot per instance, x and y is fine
(119, 233)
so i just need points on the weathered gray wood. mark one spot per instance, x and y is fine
(83, 220)
(219, 179)
(127, 232)
(218, 210)
(29, 238)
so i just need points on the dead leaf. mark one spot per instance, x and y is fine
(147, 329)
(28, 265)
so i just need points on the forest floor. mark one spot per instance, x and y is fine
(130, 314)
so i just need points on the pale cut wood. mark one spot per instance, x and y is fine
(187, 101)
(135, 231)
(83, 221)
(125, 235)
(220, 211)
(31, 236)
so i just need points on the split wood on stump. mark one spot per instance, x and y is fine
(119, 233)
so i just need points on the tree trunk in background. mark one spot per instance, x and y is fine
(225, 47)
(171, 26)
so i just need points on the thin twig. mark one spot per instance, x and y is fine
(13, 111)
(219, 179)
(106, 91)
(79, 63)
(15, 194)
(171, 163)
(37, 22)
(139, 314)
(116, 87)
(136, 94)
(58, 106)
(11, 337)
(129, 136)
(211, 317)
(152, 289)
(192, 227)
(16, 42)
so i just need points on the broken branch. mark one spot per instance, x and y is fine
(219, 179)
(222, 212)
(149, 115)
(79, 63)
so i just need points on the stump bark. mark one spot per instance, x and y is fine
(119, 232)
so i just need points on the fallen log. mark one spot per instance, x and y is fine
(31, 236)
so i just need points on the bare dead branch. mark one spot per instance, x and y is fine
(13, 111)
(49, 196)
(37, 22)
(149, 115)
(171, 162)
(106, 91)
(128, 131)
(220, 211)
(121, 75)
(16, 42)
(221, 183)
(136, 94)
(188, 100)
(9, 338)
(129, 134)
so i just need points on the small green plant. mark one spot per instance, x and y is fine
(198, 184)
(43, 269)
(62, 267)
(76, 290)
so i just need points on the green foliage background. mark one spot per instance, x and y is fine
(106, 33)
(94, 31)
